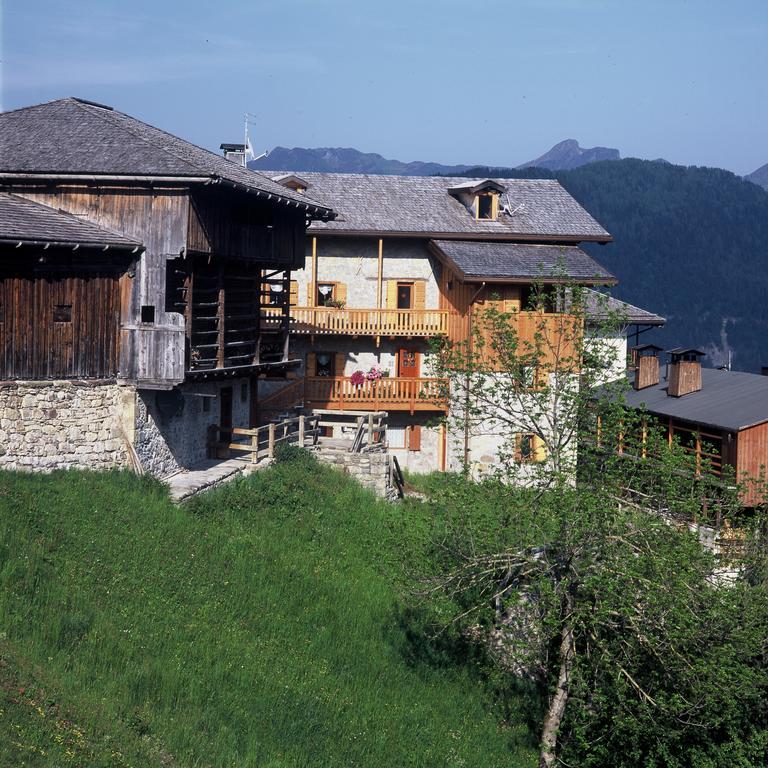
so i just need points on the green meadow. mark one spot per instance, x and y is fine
(263, 624)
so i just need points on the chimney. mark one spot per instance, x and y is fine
(234, 152)
(645, 363)
(684, 374)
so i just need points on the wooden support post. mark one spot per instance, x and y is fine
(285, 322)
(301, 430)
(255, 447)
(313, 282)
(221, 335)
(379, 285)
(271, 444)
(370, 429)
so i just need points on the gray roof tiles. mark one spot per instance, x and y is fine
(540, 208)
(71, 136)
(517, 261)
(598, 305)
(727, 400)
(23, 220)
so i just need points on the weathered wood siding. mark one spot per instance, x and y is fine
(230, 226)
(59, 324)
(752, 457)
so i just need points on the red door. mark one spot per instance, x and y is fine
(408, 364)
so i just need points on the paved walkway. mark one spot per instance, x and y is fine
(205, 475)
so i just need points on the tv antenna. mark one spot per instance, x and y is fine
(249, 153)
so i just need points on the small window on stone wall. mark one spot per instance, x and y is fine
(207, 404)
(244, 392)
(147, 313)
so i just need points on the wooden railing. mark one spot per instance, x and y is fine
(261, 442)
(338, 393)
(363, 322)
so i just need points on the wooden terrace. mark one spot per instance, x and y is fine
(411, 323)
(385, 394)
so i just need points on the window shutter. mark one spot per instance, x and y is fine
(265, 294)
(539, 449)
(339, 363)
(419, 294)
(340, 292)
(294, 293)
(391, 294)
(414, 437)
(311, 364)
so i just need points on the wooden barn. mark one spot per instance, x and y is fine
(144, 289)
(720, 417)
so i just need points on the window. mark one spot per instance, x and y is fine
(525, 376)
(324, 363)
(396, 437)
(528, 448)
(147, 313)
(325, 294)
(404, 295)
(244, 392)
(62, 313)
(485, 206)
(275, 293)
(207, 404)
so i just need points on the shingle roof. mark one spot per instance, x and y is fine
(599, 305)
(25, 221)
(515, 261)
(727, 400)
(540, 208)
(71, 136)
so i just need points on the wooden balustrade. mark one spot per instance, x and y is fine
(399, 394)
(363, 322)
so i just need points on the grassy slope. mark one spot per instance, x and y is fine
(257, 626)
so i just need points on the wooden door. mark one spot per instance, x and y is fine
(408, 364)
(225, 414)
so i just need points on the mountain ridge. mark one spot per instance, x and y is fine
(564, 155)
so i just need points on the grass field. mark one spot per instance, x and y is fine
(261, 625)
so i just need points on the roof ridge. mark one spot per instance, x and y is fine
(35, 106)
(106, 116)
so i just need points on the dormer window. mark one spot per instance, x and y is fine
(487, 205)
(290, 180)
(480, 197)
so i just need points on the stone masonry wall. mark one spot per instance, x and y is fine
(370, 469)
(61, 424)
(172, 431)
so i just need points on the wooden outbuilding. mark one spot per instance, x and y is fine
(133, 258)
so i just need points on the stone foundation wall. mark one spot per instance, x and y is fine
(370, 469)
(172, 429)
(60, 424)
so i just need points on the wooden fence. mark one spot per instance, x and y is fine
(261, 442)
(364, 322)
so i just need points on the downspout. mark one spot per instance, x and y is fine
(466, 382)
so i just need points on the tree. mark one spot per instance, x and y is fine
(589, 581)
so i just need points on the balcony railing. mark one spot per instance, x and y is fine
(363, 322)
(386, 394)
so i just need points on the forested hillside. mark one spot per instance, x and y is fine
(690, 244)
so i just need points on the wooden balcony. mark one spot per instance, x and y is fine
(386, 394)
(410, 323)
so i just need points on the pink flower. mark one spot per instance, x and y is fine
(358, 378)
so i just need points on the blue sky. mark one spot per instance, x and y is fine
(476, 81)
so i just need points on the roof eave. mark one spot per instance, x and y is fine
(464, 277)
(17, 242)
(491, 236)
